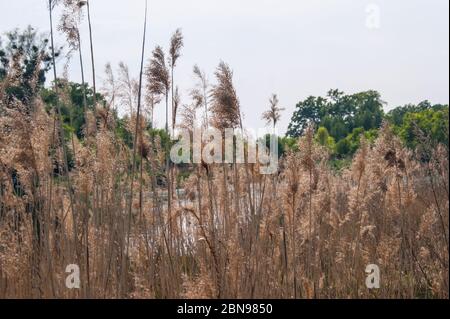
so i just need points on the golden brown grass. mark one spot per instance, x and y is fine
(305, 232)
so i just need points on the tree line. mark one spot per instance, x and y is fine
(339, 119)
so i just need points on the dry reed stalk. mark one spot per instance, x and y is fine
(305, 232)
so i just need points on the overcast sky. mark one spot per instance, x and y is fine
(295, 48)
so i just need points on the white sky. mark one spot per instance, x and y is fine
(295, 48)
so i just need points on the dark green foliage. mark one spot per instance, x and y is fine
(281, 145)
(428, 124)
(164, 137)
(415, 123)
(339, 164)
(289, 144)
(26, 54)
(308, 112)
(323, 138)
(340, 119)
(396, 116)
(354, 138)
(72, 106)
(123, 132)
(338, 113)
(343, 147)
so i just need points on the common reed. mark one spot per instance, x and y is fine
(306, 231)
(273, 115)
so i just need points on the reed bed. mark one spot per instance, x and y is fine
(307, 231)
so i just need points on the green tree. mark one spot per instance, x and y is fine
(307, 112)
(72, 105)
(25, 54)
(423, 121)
(369, 112)
(338, 113)
(343, 147)
(429, 124)
(323, 138)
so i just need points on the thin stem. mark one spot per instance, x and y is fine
(136, 131)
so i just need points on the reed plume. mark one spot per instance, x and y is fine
(273, 115)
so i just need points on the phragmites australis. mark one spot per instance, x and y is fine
(70, 22)
(225, 106)
(176, 44)
(158, 77)
(273, 115)
(199, 93)
(226, 231)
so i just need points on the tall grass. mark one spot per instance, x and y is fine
(306, 231)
